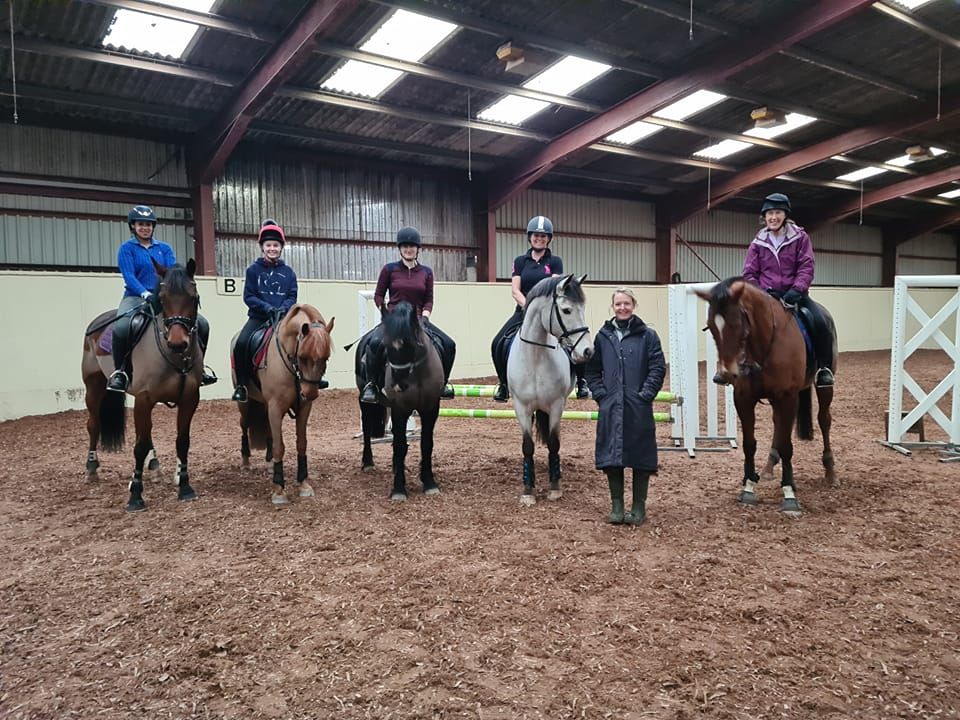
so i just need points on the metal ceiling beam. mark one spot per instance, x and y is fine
(733, 56)
(885, 194)
(897, 233)
(203, 19)
(681, 12)
(916, 23)
(219, 139)
(845, 142)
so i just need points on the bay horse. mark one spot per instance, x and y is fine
(762, 353)
(287, 382)
(539, 374)
(413, 381)
(167, 366)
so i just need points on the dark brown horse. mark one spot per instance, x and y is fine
(761, 351)
(167, 366)
(289, 380)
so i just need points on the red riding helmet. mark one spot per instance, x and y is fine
(270, 230)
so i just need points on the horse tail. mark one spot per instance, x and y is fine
(543, 426)
(805, 415)
(373, 420)
(257, 424)
(113, 421)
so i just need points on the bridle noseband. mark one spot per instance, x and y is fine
(565, 333)
(292, 362)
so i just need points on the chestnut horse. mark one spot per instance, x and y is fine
(762, 352)
(167, 367)
(289, 379)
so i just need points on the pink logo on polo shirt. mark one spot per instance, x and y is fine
(546, 269)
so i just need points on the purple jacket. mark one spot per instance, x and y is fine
(790, 266)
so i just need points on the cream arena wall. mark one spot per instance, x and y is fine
(45, 314)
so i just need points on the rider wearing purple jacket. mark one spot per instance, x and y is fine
(780, 261)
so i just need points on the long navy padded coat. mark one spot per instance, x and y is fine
(624, 376)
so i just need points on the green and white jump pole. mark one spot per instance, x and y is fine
(661, 417)
(490, 390)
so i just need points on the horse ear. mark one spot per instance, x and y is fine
(736, 290)
(305, 329)
(160, 269)
(581, 279)
(703, 294)
(191, 268)
(562, 287)
(330, 325)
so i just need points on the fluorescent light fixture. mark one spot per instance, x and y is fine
(151, 34)
(904, 160)
(950, 194)
(404, 36)
(680, 110)
(910, 4)
(561, 78)
(726, 148)
(861, 174)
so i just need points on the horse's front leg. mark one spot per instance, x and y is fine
(244, 436)
(525, 418)
(143, 423)
(428, 421)
(275, 413)
(185, 410)
(398, 421)
(553, 448)
(825, 420)
(305, 489)
(746, 411)
(96, 391)
(784, 414)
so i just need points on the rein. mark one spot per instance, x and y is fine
(185, 366)
(292, 363)
(773, 336)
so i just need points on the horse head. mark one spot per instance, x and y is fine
(313, 347)
(564, 315)
(403, 341)
(735, 307)
(179, 300)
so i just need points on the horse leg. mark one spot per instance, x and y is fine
(143, 422)
(275, 414)
(185, 410)
(553, 462)
(784, 412)
(825, 420)
(96, 389)
(244, 436)
(747, 411)
(428, 421)
(305, 489)
(398, 421)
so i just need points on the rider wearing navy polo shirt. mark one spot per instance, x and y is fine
(529, 269)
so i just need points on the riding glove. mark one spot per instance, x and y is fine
(792, 297)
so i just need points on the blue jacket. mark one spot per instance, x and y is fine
(136, 266)
(268, 287)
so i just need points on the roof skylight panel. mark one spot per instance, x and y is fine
(950, 194)
(152, 34)
(726, 148)
(562, 78)
(910, 4)
(404, 36)
(899, 161)
(679, 110)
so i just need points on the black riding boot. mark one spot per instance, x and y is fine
(582, 391)
(372, 391)
(638, 508)
(615, 481)
(120, 378)
(203, 332)
(502, 394)
(823, 348)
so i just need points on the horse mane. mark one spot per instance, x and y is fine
(547, 286)
(401, 323)
(176, 280)
(720, 294)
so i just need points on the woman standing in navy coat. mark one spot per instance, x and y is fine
(624, 375)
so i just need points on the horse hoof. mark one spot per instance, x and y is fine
(279, 500)
(747, 498)
(398, 497)
(368, 468)
(554, 494)
(306, 491)
(245, 463)
(153, 465)
(92, 467)
(528, 499)
(136, 506)
(187, 496)
(791, 508)
(431, 490)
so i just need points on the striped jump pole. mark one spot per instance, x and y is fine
(660, 417)
(490, 390)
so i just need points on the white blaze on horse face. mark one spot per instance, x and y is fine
(730, 364)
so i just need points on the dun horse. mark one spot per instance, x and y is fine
(538, 369)
(414, 381)
(747, 324)
(167, 366)
(286, 382)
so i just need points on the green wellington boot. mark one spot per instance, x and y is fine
(638, 509)
(615, 481)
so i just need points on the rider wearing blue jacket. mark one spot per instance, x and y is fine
(135, 260)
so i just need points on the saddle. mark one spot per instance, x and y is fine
(807, 326)
(502, 350)
(138, 325)
(255, 352)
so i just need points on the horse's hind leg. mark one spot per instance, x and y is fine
(553, 463)
(398, 421)
(185, 410)
(93, 398)
(428, 420)
(305, 489)
(825, 420)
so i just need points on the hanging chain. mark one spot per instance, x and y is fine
(13, 67)
(939, 78)
(469, 141)
(861, 202)
(691, 20)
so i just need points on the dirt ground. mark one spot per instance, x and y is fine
(467, 604)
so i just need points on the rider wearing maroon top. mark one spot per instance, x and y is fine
(405, 280)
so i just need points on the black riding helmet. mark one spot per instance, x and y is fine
(141, 213)
(776, 201)
(408, 236)
(540, 224)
